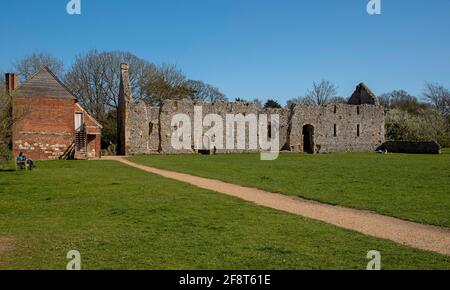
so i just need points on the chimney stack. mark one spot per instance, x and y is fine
(12, 82)
(125, 98)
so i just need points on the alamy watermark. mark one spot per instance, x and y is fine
(74, 7)
(75, 260)
(262, 135)
(375, 261)
(374, 7)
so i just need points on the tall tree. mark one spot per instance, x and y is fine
(402, 100)
(28, 66)
(439, 96)
(94, 78)
(167, 82)
(201, 91)
(321, 93)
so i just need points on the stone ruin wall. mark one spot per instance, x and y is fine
(143, 129)
(149, 128)
(370, 119)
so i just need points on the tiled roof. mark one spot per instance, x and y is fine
(44, 84)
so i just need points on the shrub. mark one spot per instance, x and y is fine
(426, 125)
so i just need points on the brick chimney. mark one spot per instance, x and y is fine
(12, 82)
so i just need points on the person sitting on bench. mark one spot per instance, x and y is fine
(21, 161)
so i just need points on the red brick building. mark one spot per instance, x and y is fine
(49, 121)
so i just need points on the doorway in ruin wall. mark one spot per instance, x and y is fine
(308, 139)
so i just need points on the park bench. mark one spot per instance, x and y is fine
(23, 165)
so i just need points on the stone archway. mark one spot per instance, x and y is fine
(308, 139)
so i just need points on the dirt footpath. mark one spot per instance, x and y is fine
(425, 237)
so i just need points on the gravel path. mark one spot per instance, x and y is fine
(425, 237)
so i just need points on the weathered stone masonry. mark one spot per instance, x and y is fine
(353, 127)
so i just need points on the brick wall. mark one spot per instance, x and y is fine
(44, 128)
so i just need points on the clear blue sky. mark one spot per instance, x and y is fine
(249, 48)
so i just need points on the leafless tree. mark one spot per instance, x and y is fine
(201, 91)
(167, 82)
(26, 67)
(94, 78)
(321, 93)
(402, 100)
(439, 96)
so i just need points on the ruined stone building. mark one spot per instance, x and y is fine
(49, 123)
(356, 126)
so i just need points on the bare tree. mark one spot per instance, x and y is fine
(439, 96)
(140, 71)
(94, 78)
(205, 92)
(168, 82)
(86, 79)
(321, 93)
(30, 65)
(402, 100)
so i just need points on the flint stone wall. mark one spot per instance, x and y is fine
(346, 118)
(149, 129)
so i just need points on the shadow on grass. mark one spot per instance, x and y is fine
(7, 167)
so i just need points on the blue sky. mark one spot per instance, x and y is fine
(249, 48)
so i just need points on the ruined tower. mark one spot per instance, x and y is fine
(122, 115)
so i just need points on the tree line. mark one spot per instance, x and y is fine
(94, 78)
(408, 118)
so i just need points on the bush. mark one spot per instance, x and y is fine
(426, 125)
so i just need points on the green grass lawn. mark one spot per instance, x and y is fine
(121, 218)
(7, 166)
(410, 187)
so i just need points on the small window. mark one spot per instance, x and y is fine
(335, 109)
(269, 131)
(335, 130)
(358, 110)
(150, 128)
(358, 130)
